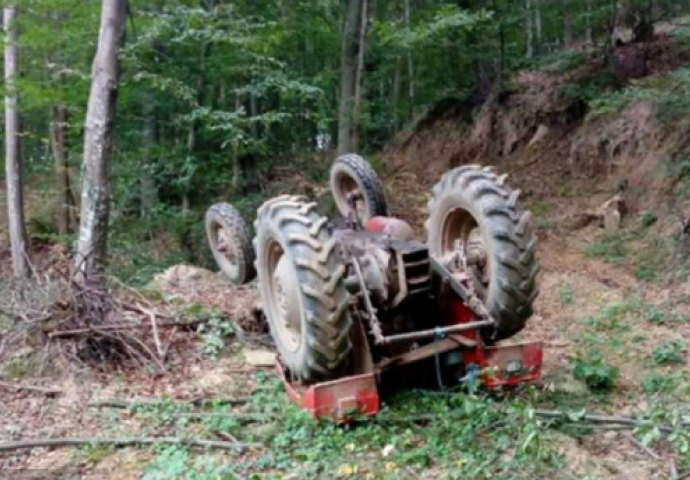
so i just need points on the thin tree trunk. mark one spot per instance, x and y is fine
(237, 170)
(359, 83)
(149, 189)
(589, 34)
(15, 195)
(568, 37)
(95, 208)
(350, 49)
(396, 96)
(529, 29)
(410, 65)
(58, 142)
(538, 26)
(192, 142)
(193, 136)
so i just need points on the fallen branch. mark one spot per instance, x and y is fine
(126, 404)
(249, 417)
(156, 336)
(231, 438)
(643, 447)
(115, 327)
(120, 442)
(631, 422)
(31, 388)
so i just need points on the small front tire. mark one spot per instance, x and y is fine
(230, 241)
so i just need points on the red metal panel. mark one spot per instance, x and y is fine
(338, 399)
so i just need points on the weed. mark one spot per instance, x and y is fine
(596, 374)
(656, 383)
(213, 335)
(645, 273)
(215, 328)
(669, 352)
(15, 368)
(540, 209)
(610, 248)
(565, 294)
(655, 315)
(649, 219)
(94, 453)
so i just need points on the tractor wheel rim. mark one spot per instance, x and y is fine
(224, 248)
(345, 185)
(284, 300)
(461, 230)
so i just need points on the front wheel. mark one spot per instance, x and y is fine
(354, 181)
(473, 211)
(230, 241)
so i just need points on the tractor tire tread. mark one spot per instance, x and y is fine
(324, 299)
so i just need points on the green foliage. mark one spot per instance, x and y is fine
(213, 332)
(610, 247)
(669, 92)
(178, 463)
(661, 383)
(595, 372)
(669, 352)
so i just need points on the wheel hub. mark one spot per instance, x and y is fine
(226, 245)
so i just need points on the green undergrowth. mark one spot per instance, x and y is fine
(649, 256)
(668, 91)
(418, 433)
(455, 435)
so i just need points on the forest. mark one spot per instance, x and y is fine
(129, 349)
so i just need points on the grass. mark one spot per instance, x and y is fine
(611, 248)
(646, 254)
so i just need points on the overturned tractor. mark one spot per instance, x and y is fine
(355, 301)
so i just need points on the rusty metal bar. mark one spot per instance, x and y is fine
(436, 332)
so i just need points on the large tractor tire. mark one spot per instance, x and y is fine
(301, 282)
(472, 208)
(352, 173)
(231, 244)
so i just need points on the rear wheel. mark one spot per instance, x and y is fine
(474, 212)
(353, 175)
(301, 282)
(230, 241)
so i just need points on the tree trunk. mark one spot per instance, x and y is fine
(58, 142)
(359, 82)
(149, 189)
(396, 96)
(15, 195)
(529, 29)
(95, 208)
(538, 25)
(237, 170)
(410, 65)
(568, 37)
(350, 50)
(589, 34)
